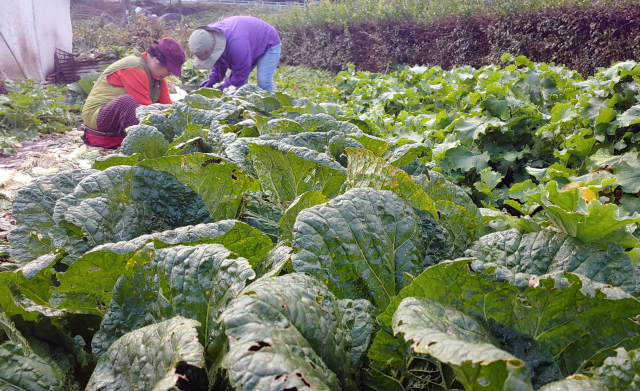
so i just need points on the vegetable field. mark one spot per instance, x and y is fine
(472, 229)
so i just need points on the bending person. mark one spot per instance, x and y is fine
(138, 79)
(239, 43)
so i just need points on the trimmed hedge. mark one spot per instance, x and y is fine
(583, 39)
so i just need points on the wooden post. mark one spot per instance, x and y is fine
(126, 11)
(180, 7)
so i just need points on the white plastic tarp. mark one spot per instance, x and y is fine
(30, 32)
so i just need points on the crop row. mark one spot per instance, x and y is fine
(251, 240)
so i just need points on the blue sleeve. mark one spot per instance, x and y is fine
(221, 71)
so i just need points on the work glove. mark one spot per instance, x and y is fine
(213, 76)
(207, 83)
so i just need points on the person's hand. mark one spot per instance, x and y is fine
(211, 80)
(207, 83)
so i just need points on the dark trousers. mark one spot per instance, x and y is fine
(113, 118)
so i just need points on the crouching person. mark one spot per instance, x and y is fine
(138, 79)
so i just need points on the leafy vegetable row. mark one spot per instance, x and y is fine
(245, 228)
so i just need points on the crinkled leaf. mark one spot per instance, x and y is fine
(104, 162)
(33, 208)
(541, 363)
(360, 244)
(238, 152)
(375, 145)
(172, 122)
(89, 282)
(461, 342)
(297, 324)
(332, 143)
(360, 315)
(539, 253)
(265, 104)
(218, 182)
(579, 321)
(620, 372)
(143, 110)
(276, 262)
(574, 383)
(147, 358)
(303, 201)
(27, 244)
(21, 368)
(458, 214)
(279, 125)
(248, 90)
(189, 146)
(196, 139)
(437, 241)
(317, 122)
(288, 171)
(195, 282)
(145, 140)
(260, 211)
(407, 153)
(121, 203)
(206, 102)
(367, 170)
(349, 127)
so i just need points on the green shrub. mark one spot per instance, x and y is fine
(340, 12)
(30, 109)
(567, 36)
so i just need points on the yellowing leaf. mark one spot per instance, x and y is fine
(587, 194)
(569, 186)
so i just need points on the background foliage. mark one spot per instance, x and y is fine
(424, 11)
(29, 109)
(582, 38)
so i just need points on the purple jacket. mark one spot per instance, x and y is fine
(247, 39)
